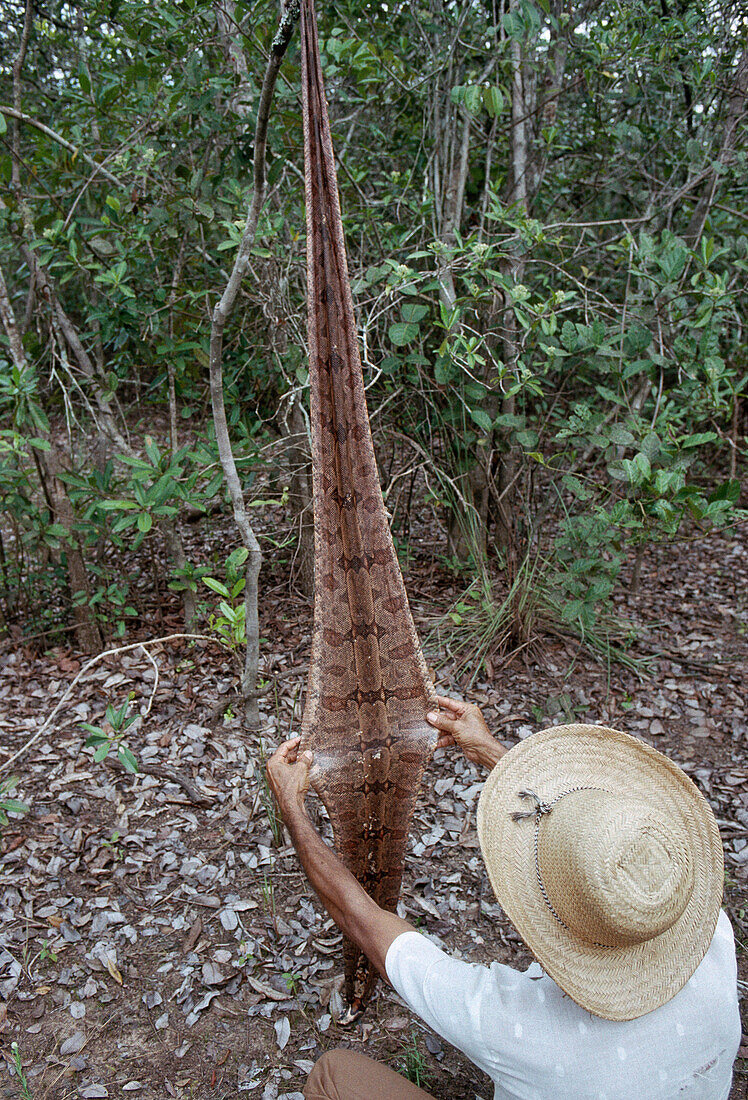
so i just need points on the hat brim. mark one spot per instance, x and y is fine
(617, 983)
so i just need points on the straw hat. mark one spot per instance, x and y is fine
(607, 860)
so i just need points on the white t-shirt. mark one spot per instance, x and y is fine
(537, 1044)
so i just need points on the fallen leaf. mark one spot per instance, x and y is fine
(282, 1031)
(73, 1043)
(112, 968)
(267, 990)
(192, 936)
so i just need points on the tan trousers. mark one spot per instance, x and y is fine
(347, 1075)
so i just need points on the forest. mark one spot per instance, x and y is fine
(546, 219)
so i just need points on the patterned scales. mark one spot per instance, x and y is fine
(368, 689)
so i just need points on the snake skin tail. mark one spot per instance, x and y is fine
(368, 690)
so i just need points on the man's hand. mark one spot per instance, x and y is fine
(288, 775)
(463, 725)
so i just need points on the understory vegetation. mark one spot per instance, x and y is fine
(545, 215)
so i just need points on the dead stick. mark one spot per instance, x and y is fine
(161, 772)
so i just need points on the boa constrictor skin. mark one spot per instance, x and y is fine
(368, 689)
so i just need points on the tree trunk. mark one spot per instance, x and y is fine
(87, 630)
(220, 316)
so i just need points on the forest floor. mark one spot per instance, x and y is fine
(155, 941)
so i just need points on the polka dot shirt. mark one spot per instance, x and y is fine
(537, 1044)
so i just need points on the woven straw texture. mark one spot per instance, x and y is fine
(646, 795)
(368, 691)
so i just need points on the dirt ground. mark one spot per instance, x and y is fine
(154, 939)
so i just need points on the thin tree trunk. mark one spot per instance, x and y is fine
(507, 462)
(220, 316)
(87, 629)
(736, 111)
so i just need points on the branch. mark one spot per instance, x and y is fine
(11, 112)
(195, 793)
(8, 318)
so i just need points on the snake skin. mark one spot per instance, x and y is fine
(368, 689)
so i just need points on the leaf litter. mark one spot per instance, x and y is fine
(153, 939)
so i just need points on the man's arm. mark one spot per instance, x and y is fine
(359, 917)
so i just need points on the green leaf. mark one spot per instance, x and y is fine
(102, 752)
(513, 25)
(697, 439)
(13, 805)
(569, 335)
(216, 586)
(643, 465)
(574, 485)
(237, 558)
(729, 491)
(412, 312)
(152, 450)
(651, 446)
(96, 739)
(482, 419)
(468, 96)
(145, 522)
(493, 101)
(402, 334)
(127, 759)
(620, 435)
(3, 123)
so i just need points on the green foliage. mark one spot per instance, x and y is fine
(8, 804)
(413, 1064)
(25, 1093)
(574, 359)
(229, 621)
(110, 736)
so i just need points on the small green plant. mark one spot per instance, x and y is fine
(245, 953)
(413, 1064)
(110, 601)
(47, 952)
(110, 737)
(229, 621)
(18, 1066)
(10, 805)
(292, 982)
(114, 847)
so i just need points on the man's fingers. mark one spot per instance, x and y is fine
(447, 725)
(285, 753)
(454, 705)
(287, 747)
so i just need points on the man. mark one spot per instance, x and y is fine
(608, 861)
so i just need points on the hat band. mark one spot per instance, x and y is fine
(540, 809)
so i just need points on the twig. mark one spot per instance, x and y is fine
(89, 664)
(155, 682)
(161, 772)
(11, 112)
